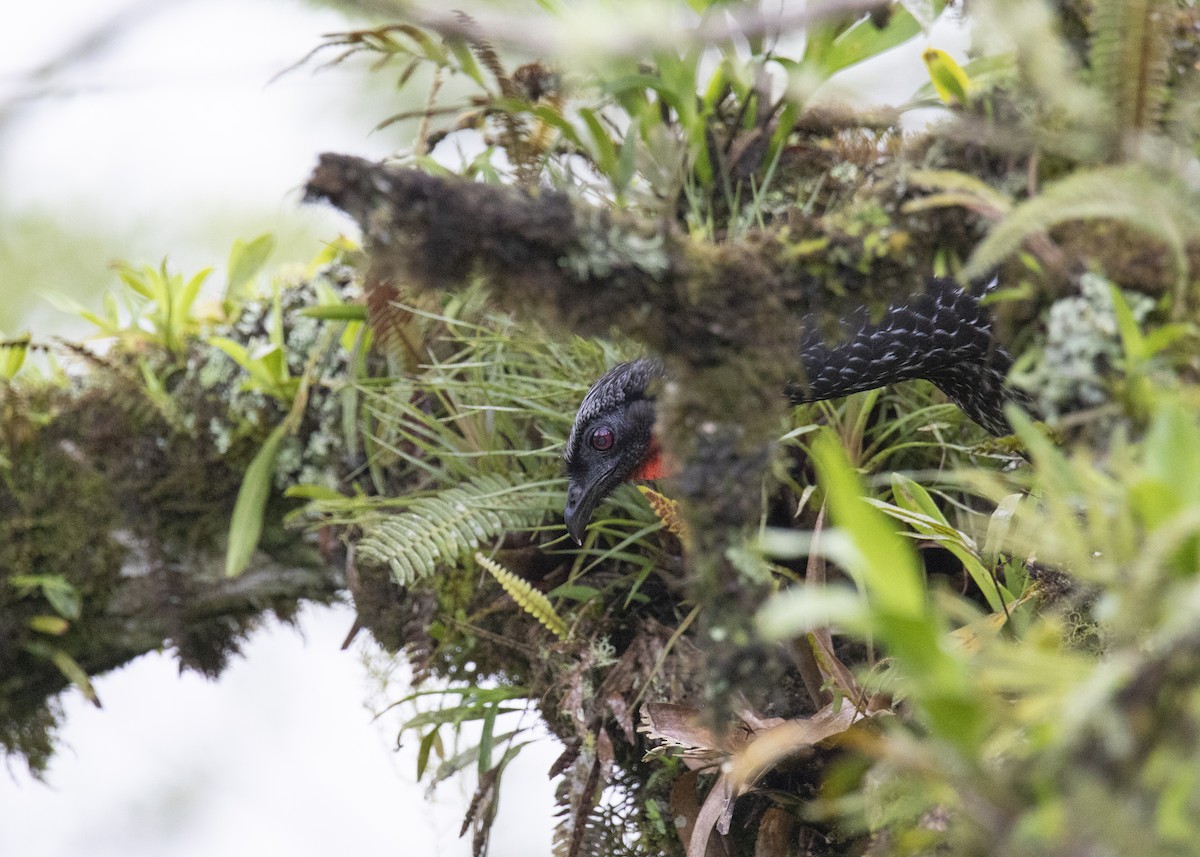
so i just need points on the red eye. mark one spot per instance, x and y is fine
(603, 439)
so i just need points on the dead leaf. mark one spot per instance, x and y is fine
(714, 813)
(686, 728)
(768, 749)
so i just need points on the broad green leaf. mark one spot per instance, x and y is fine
(949, 79)
(12, 356)
(863, 40)
(56, 589)
(63, 597)
(803, 608)
(245, 260)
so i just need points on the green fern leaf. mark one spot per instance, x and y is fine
(1130, 59)
(441, 529)
(530, 600)
(1133, 194)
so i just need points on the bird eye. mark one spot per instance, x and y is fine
(602, 439)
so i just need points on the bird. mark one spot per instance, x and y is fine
(944, 335)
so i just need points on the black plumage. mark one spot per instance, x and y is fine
(943, 335)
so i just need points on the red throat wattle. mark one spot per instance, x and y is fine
(654, 466)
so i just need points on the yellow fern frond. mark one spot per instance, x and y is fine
(530, 600)
(666, 509)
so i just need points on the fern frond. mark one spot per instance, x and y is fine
(486, 54)
(1130, 59)
(666, 509)
(442, 528)
(1132, 194)
(529, 599)
(952, 187)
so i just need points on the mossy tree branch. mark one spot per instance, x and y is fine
(726, 318)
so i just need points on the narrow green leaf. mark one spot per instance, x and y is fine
(55, 625)
(426, 747)
(485, 740)
(246, 527)
(887, 563)
(236, 351)
(999, 525)
(428, 48)
(912, 495)
(311, 491)
(466, 61)
(1132, 340)
(604, 151)
(454, 716)
(68, 666)
(336, 312)
(105, 326)
(182, 307)
(138, 281)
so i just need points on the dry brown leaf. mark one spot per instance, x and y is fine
(767, 749)
(685, 805)
(971, 635)
(714, 814)
(686, 728)
(745, 754)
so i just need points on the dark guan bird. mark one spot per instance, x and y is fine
(943, 335)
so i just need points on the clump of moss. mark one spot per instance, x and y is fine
(60, 561)
(1083, 346)
(117, 487)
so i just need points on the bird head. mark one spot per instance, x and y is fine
(612, 439)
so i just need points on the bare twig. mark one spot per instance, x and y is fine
(545, 36)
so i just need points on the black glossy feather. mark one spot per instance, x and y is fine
(943, 335)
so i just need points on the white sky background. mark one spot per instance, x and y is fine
(172, 141)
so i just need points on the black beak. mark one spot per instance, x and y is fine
(578, 512)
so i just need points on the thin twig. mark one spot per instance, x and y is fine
(538, 36)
